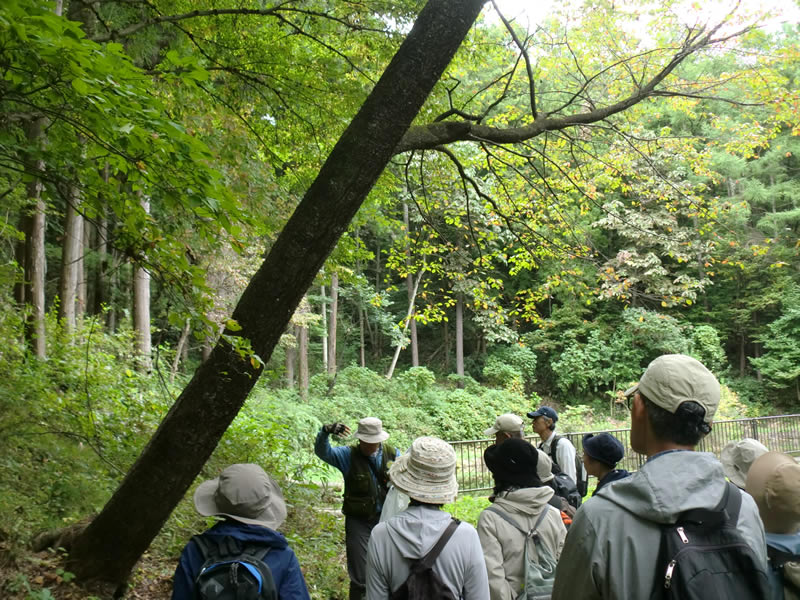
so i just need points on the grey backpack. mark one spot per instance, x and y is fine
(540, 572)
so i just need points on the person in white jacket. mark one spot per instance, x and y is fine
(427, 475)
(523, 496)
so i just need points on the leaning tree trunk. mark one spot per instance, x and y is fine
(117, 537)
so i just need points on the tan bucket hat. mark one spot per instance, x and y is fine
(672, 379)
(370, 430)
(427, 473)
(544, 468)
(508, 422)
(774, 482)
(243, 492)
(737, 457)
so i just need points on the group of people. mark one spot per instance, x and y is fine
(607, 548)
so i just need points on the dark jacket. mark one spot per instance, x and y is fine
(365, 488)
(281, 560)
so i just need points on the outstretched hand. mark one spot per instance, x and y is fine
(338, 429)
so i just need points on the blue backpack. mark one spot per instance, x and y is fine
(233, 570)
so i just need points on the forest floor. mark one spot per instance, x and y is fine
(26, 575)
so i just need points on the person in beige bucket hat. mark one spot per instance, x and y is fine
(774, 481)
(427, 474)
(737, 456)
(252, 506)
(365, 468)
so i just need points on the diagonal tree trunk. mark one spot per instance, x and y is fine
(117, 537)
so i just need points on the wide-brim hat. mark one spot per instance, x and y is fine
(544, 466)
(672, 379)
(243, 492)
(370, 430)
(508, 422)
(737, 457)
(427, 472)
(513, 462)
(774, 483)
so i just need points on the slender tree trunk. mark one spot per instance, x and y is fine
(183, 341)
(377, 341)
(302, 354)
(742, 355)
(291, 358)
(71, 251)
(35, 263)
(333, 324)
(446, 336)
(460, 337)
(408, 319)
(411, 291)
(101, 297)
(112, 543)
(81, 289)
(362, 341)
(324, 313)
(141, 307)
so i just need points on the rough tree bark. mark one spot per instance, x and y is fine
(117, 537)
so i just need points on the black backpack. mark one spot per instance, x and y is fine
(703, 555)
(779, 554)
(422, 582)
(233, 570)
(582, 485)
(566, 488)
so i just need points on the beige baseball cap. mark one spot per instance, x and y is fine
(508, 422)
(672, 379)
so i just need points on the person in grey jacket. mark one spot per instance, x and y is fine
(427, 475)
(612, 547)
(522, 495)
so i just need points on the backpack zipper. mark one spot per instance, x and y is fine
(674, 562)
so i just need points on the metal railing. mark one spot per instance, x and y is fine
(781, 434)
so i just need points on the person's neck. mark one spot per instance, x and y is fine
(547, 434)
(657, 446)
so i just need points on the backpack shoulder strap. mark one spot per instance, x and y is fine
(512, 521)
(205, 545)
(727, 511)
(430, 558)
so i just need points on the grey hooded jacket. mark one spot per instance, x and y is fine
(410, 535)
(612, 546)
(504, 546)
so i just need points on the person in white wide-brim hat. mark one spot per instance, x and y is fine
(427, 475)
(365, 467)
(251, 506)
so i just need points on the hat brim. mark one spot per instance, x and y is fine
(534, 414)
(762, 469)
(272, 516)
(631, 391)
(491, 431)
(421, 491)
(376, 438)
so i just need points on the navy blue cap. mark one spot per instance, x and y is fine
(603, 447)
(544, 411)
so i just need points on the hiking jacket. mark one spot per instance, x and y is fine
(565, 454)
(410, 535)
(504, 545)
(612, 546)
(281, 560)
(363, 475)
(613, 475)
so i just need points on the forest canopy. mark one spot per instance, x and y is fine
(206, 200)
